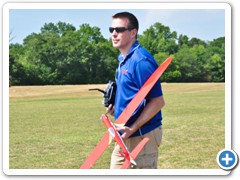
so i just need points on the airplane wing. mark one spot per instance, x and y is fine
(132, 106)
(97, 152)
(135, 153)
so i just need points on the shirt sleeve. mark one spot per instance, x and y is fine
(144, 69)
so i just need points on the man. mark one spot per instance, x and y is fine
(135, 66)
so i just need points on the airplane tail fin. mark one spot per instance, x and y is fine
(132, 161)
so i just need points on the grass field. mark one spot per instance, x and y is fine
(53, 127)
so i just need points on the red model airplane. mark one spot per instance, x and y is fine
(112, 133)
(117, 137)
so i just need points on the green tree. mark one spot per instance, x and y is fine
(62, 54)
(195, 41)
(16, 69)
(183, 39)
(216, 61)
(159, 38)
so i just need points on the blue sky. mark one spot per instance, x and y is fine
(205, 24)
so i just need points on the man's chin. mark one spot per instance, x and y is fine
(116, 45)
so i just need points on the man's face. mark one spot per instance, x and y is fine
(122, 40)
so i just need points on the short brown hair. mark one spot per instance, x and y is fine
(133, 22)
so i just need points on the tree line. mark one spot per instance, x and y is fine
(62, 54)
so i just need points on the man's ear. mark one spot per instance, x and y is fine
(133, 33)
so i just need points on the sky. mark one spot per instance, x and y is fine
(205, 24)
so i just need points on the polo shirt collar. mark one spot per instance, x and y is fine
(132, 49)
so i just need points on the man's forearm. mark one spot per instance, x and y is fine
(152, 108)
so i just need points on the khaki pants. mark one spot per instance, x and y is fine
(147, 158)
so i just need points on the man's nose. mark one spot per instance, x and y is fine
(114, 33)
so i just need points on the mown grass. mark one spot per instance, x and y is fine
(54, 127)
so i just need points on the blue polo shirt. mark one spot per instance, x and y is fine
(132, 73)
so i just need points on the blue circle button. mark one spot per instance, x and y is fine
(227, 159)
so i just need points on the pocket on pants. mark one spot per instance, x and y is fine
(147, 161)
(155, 138)
(158, 136)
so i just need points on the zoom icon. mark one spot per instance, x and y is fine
(227, 159)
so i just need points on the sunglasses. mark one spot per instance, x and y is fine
(119, 29)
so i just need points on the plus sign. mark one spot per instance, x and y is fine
(227, 159)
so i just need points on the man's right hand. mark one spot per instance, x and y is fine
(110, 109)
